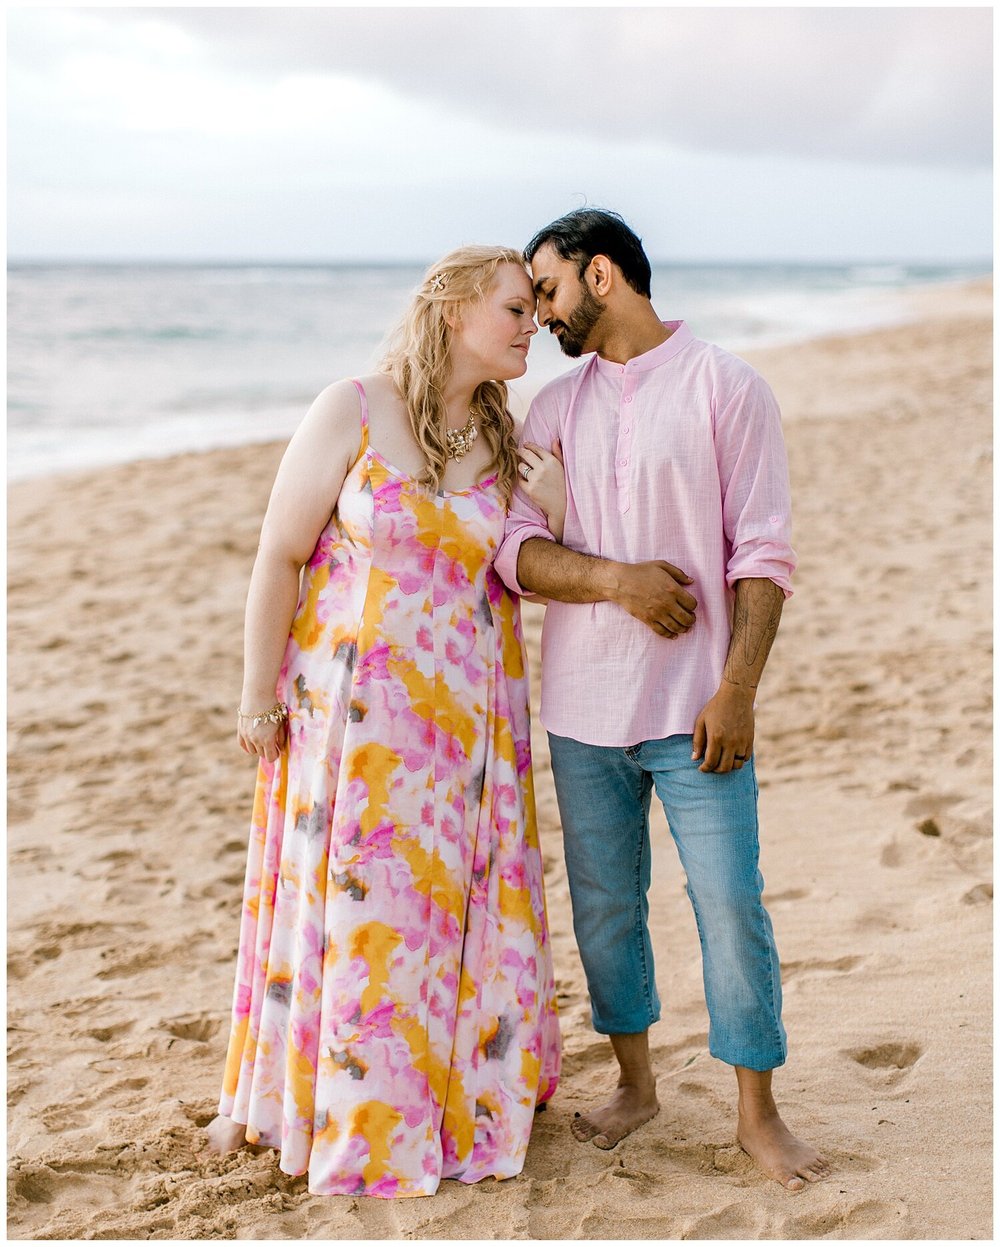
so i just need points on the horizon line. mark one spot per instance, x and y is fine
(259, 262)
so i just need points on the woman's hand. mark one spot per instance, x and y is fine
(265, 739)
(543, 480)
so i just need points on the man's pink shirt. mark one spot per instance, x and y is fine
(676, 455)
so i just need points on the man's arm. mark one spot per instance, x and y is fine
(724, 730)
(651, 592)
(753, 473)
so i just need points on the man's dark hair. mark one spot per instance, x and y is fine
(579, 236)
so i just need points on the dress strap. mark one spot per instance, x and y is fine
(364, 415)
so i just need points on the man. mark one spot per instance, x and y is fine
(671, 447)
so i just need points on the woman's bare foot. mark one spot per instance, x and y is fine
(225, 1135)
(763, 1135)
(627, 1109)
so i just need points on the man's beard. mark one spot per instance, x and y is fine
(576, 330)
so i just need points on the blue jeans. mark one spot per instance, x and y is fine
(604, 795)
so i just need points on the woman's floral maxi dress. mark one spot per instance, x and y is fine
(394, 1013)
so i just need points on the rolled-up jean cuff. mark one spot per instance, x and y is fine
(626, 1026)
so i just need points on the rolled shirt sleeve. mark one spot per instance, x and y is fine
(756, 496)
(524, 519)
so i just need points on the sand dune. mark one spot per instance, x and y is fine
(129, 806)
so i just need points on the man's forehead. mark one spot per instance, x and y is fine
(545, 264)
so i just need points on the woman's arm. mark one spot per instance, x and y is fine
(305, 492)
(546, 483)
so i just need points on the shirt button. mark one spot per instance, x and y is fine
(624, 463)
(628, 398)
(626, 429)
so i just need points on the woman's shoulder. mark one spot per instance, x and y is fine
(336, 405)
(343, 397)
(378, 386)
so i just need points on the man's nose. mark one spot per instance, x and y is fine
(543, 315)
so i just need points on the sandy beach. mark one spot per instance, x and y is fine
(129, 806)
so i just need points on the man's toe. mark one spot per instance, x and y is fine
(583, 1130)
(606, 1140)
(792, 1182)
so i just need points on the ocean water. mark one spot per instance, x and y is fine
(114, 362)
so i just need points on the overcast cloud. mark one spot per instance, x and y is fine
(362, 133)
(904, 86)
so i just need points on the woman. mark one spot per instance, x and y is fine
(394, 1018)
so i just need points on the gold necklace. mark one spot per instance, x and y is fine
(460, 440)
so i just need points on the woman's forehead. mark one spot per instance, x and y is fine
(513, 280)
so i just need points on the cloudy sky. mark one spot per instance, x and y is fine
(395, 133)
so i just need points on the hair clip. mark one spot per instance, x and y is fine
(437, 282)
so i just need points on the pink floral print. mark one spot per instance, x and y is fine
(394, 1013)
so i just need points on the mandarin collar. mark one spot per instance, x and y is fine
(679, 338)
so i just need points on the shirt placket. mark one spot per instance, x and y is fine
(623, 448)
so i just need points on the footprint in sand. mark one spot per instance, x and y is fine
(126, 960)
(51, 940)
(890, 1062)
(105, 1034)
(878, 918)
(114, 865)
(794, 971)
(959, 825)
(34, 1187)
(197, 1026)
(230, 848)
(868, 1219)
(733, 1221)
(135, 961)
(200, 1112)
(225, 891)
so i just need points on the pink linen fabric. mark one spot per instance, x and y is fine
(394, 1015)
(676, 455)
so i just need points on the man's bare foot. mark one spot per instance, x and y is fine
(763, 1135)
(225, 1135)
(626, 1111)
(779, 1153)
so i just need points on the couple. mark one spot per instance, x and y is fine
(394, 1018)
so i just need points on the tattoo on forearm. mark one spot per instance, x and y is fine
(756, 615)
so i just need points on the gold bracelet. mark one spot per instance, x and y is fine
(277, 714)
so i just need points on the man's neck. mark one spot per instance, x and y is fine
(629, 337)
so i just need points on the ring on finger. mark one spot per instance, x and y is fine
(525, 471)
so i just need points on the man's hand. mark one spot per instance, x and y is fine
(723, 732)
(653, 594)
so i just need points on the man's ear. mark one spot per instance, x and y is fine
(601, 273)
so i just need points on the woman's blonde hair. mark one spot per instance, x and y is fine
(418, 360)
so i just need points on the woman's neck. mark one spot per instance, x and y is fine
(458, 402)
